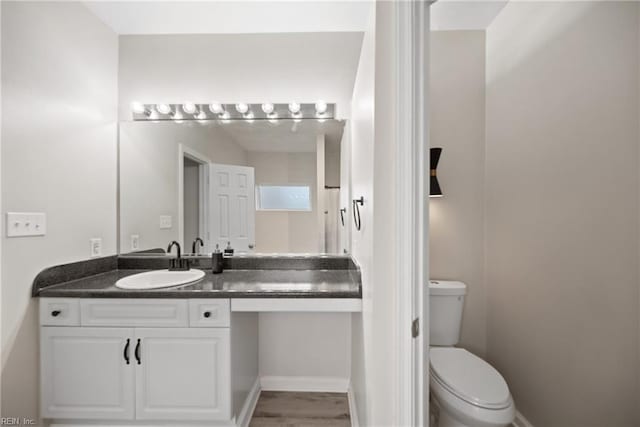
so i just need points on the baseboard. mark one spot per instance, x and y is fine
(244, 418)
(353, 407)
(308, 384)
(521, 421)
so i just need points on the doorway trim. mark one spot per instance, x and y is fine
(191, 154)
(412, 210)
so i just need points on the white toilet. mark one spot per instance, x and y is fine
(465, 390)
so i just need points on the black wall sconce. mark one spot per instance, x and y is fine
(434, 186)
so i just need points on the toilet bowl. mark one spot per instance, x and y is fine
(467, 391)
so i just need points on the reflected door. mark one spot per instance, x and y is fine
(233, 207)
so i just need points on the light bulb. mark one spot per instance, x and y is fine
(294, 107)
(201, 115)
(189, 107)
(242, 108)
(138, 107)
(273, 117)
(321, 107)
(267, 108)
(249, 117)
(177, 116)
(216, 108)
(163, 108)
(225, 115)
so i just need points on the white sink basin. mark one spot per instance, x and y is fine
(159, 279)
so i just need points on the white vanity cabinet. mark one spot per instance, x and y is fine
(183, 374)
(132, 366)
(84, 373)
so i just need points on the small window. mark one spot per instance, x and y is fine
(283, 198)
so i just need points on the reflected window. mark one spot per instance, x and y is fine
(283, 198)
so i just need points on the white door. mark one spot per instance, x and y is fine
(183, 374)
(87, 373)
(233, 207)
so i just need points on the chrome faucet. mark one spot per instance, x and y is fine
(195, 242)
(178, 263)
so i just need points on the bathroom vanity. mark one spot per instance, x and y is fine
(186, 354)
(189, 354)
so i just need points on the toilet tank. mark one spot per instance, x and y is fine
(446, 299)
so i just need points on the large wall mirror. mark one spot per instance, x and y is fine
(261, 187)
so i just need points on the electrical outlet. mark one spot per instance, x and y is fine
(135, 242)
(165, 221)
(96, 247)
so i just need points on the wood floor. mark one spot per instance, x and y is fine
(289, 409)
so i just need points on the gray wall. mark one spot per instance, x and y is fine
(59, 107)
(562, 210)
(456, 222)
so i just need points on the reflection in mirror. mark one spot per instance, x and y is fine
(258, 187)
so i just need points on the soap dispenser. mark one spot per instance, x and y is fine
(217, 261)
(228, 251)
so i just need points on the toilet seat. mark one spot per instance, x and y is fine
(469, 378)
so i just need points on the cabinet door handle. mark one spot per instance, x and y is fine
(137, 352)
(207, 314)
(342, 212)
(55, 313)
(126, 351)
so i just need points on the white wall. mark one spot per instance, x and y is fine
(314, 345)
(562, 210)
(362, 140)
(238, 68)
(149, 164)
(374, 378)
(456, 222)
(59, 107)
(286, 232)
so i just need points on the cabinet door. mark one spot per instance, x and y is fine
(183, 374)
(85, 374)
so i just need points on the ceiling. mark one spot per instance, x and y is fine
(269, 16)
(230, 17)
(464, 14)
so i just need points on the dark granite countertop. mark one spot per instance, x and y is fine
(230, 284)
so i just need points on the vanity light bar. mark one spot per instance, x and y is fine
(225, 113)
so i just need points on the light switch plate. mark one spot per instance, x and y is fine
(96, 247)
(135, 242)
(26, 224)
(165, 221)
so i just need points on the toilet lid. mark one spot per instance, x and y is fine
(469, 377)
